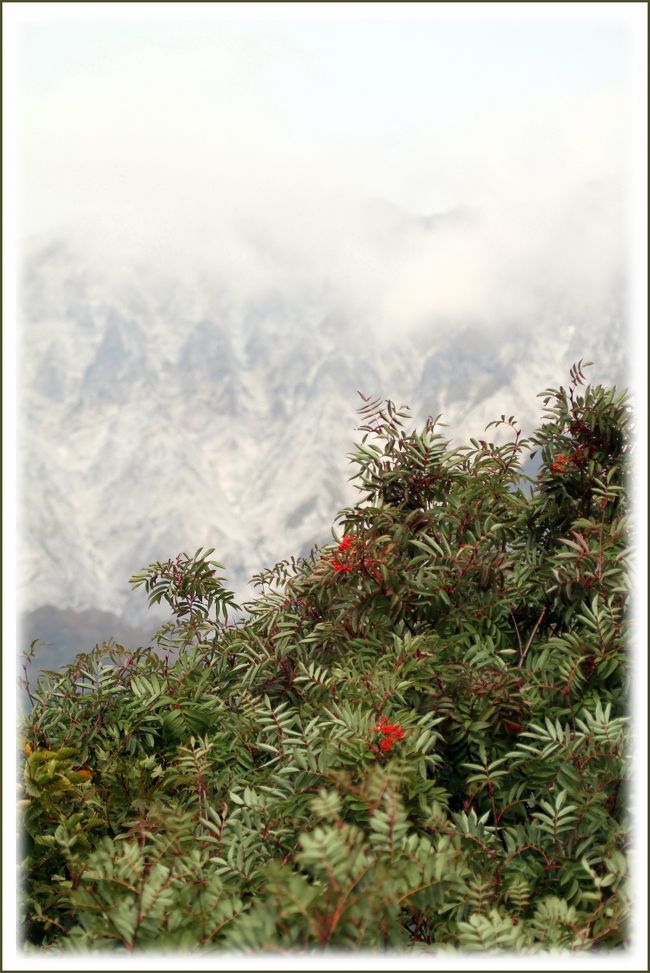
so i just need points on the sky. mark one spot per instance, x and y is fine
(184, 130)
(121, 122)
(188, 134)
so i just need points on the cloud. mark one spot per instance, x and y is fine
(200, 159)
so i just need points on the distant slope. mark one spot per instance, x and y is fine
(66, 633)
(163, 413)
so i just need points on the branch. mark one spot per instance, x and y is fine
(522, 655)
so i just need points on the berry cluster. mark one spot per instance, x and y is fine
(559, 464)
(390, 733)
(578, 457)
(351, 555)
(342, 563)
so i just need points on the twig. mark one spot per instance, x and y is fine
(522, 655)
(514, 621)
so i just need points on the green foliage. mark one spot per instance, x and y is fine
(414, 738)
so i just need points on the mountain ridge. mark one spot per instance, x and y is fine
(164, 413)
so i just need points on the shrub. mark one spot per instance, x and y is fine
(416, 737)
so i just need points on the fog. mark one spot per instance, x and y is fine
(279, 156)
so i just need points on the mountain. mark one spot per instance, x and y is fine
(62, 634)
(163, 411)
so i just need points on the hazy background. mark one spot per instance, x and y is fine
(227, 227)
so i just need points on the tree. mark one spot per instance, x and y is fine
(416, 737)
